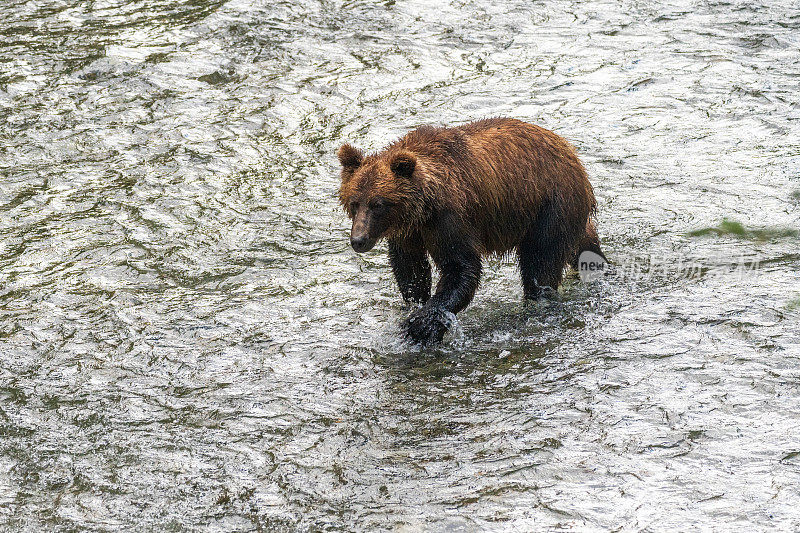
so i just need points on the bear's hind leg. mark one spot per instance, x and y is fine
(543, 253)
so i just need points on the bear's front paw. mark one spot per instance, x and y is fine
(427, 325)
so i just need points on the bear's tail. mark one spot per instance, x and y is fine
(590, 242)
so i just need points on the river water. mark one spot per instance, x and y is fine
(189, 343)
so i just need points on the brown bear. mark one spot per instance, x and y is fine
(459, 193)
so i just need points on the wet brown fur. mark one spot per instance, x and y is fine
(499, 185)
(496, 173)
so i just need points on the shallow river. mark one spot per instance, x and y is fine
(189, 343)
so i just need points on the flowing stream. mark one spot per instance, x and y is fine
(188, 343)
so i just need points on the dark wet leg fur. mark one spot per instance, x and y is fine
(459, 263)
(544, 252)
(411, 268)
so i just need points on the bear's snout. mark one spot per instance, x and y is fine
(362, 243)
(366, 231)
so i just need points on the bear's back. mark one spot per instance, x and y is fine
(498, 173)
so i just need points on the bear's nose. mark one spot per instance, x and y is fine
(359, 244)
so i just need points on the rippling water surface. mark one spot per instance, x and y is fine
(188, 343)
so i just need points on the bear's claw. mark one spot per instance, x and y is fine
(427, 325)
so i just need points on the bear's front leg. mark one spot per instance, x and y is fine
(427, 325)
(411, 268)
(460, 267)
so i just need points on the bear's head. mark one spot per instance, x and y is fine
(377, 193)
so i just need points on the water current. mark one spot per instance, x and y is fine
(188, 343)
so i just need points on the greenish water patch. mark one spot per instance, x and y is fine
(794, 304)
(731, 227)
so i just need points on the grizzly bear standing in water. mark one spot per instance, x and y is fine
(457, 194)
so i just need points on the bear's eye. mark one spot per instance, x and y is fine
(380, 204)
(353, 207)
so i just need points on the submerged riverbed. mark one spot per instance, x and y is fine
(189, 343)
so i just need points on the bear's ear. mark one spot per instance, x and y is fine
(403, 164)
(350, 157)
